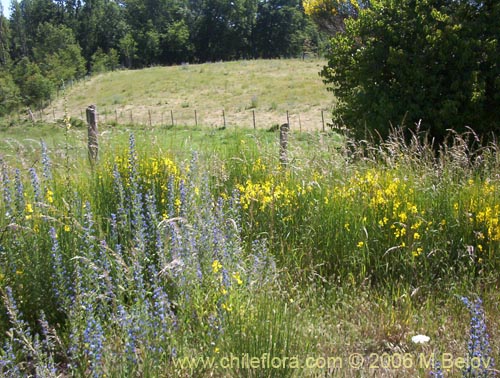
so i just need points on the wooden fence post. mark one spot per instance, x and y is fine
(253, 114)
(93, 144)
(284, 144)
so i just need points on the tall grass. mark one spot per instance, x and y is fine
(158, 255)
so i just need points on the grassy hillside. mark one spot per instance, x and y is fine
(268, 87)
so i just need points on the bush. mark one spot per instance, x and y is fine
(402, 62)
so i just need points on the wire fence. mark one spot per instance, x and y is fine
(311, 119)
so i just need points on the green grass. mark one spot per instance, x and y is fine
(371, 244)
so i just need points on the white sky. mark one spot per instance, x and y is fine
(6, 6)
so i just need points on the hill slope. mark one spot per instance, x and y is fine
(270, 88)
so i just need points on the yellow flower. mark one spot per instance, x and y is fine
(67, 228)
(418, 252)
(216, 266)
(361, 244)
(416, 236)
(227, 308)
(237, 277)
(49, 195)
(403, 217)
(29, 208)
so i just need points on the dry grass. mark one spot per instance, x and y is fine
(268, 87)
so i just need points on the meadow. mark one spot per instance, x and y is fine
(268, 88)
(193, 252)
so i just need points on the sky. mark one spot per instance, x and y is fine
(6, 6)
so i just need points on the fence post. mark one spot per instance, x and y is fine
(224, 117)
(93, 144)
(195, 118)
(253, 113)
(284, 144)
(323, 120)
(172, 116)
(150, 121)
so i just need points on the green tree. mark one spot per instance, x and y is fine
(35, 88)
(176, 43)
(57, 54)
(430, 60)
(222, 29)
(18, 43)
(128, 49)
(102, 62)
(281, 29)
(9, 92)
(100, 24)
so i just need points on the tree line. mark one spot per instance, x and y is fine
(46, 43)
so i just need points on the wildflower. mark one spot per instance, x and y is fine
(437, 372)
(35, 182)
(420, 339)
(237, 278)
(403, 217)
(49, 196)
(29, 211)
(360, 244)
(227, 308)
(67, 228)
(46, 163)
(216, 266)
(418, 252)
(478, 346)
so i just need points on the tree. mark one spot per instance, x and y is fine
(128, 49)
(4, 39)
(9, 92)
(100, 24)
(330, 15)
(222, 29)
(429, 60)
(57, 54)
(281, 29)
(34, 87)
(102, 62)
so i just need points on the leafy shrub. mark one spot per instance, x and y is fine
(401, 62)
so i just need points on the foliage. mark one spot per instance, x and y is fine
(35, 88)
(430, 60)
(331, 15)
(102, 62)
(9, 93)
(159, 257)
(66, 39)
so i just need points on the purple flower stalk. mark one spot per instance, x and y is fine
(478, 346)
